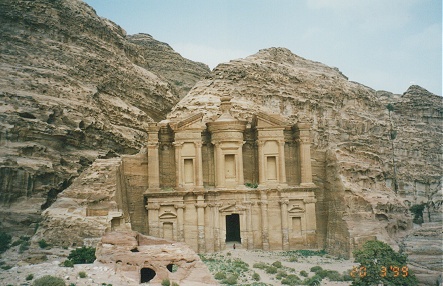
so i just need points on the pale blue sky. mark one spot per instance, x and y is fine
(384, 44)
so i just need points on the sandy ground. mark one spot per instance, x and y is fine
(30, 262)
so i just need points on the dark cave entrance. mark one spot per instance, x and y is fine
(146, 275)
(233, 228)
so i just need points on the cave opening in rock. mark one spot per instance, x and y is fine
(146, 275)
(172, 267)
(233, 228)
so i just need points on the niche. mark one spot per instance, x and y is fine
(230, 166)
(271, 168)
(296, 226)
(188, 171)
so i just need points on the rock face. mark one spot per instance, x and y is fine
(150, 259)
(74, 87)
(85, 210)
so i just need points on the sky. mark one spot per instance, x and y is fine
(384, 44)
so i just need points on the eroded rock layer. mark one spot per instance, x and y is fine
(75, 87)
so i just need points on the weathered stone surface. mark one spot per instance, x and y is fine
(129, 252)
(74, 87)
(86, 209)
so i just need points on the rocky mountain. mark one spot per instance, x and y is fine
(74, 87)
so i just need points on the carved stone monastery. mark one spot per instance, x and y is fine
(248, 183)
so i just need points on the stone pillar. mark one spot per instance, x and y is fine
(261, 163)
(219, 168)
(264, 219)
(200, 205)
(154, 229)
(305, 153)
(241, 180)
(281, 161)
(250, 238)
(180, 222)
(284, 224)
(311, 224)
(216, 213)
(153, 158)
(198, 165)
(178, 164)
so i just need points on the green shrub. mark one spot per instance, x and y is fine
(315, 269)
(5, 239)
(256, 276)
(174, 284)
(291, 279)
(82, 274)
(166, 282)
(333, 275)
(29, 277)
(42, 243)
(220, 275)
(49, 280)
(6, 267)
(281, 274)
(260, 265)
(24, 246)
(313, 281)
(82, 255)
(277, 264)
(372, 256)
(67, 263)
(293, 259)
(271, 270)
(304, 273)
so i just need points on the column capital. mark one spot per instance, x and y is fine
(260, 142)
(198, 144)
(284, 202)
(200, 205)
(248, 203)
(179, 206)
(262, 203)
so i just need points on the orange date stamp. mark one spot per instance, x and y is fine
(396, 271)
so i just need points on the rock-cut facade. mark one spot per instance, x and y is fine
(222, 182)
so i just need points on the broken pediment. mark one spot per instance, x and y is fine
(232, 208)
(193, 122)
(265, 120)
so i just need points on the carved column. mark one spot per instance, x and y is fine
(180, 222)
(154, 229)
(178, 164)
(281, 161)
(264, 219)
(219, 168)
(241, 180)
(305, 153)
(284, 223)
(216, 213)
(153, 158)
(250, 238)
(198, 165)
(261, 163)
(200, 205)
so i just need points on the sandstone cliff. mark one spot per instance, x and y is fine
(74, 87)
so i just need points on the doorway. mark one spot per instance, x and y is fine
(233, 228)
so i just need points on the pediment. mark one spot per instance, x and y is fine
(265, 120)
(232, 208)
(188, 123)
(168, 215)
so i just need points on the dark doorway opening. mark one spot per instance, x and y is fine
(233, 228)
(146, 275)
